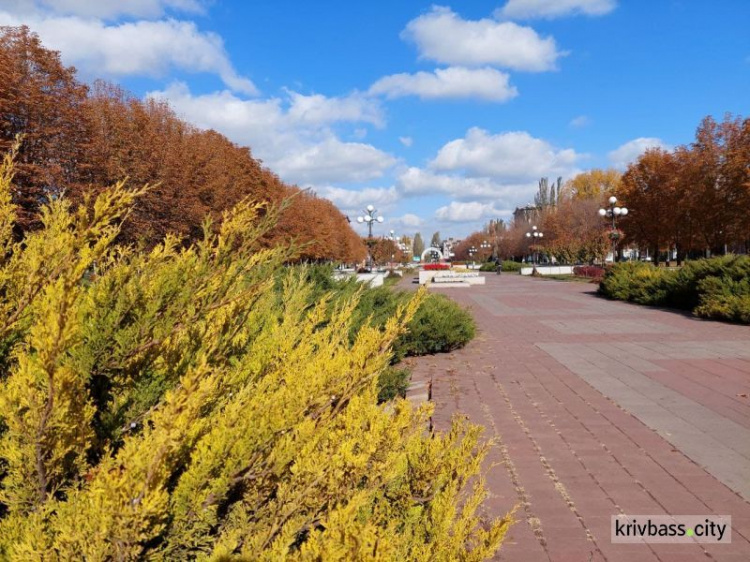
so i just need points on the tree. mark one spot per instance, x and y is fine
(593, 184)
(650, 190)
(436, 241)
(574, 233)
(383, 251)
(82, 142)
(547, 195)
(418, 245)
(41, 100)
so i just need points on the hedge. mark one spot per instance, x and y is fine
(711, 288)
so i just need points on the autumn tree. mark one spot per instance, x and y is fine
(482, 246)
(650, 188)
(41, 100)
(436, 241)
(383, 250)
(720, 172)
(574, 233)
(593, 184)
(82, 144)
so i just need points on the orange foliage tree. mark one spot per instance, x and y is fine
(694, 199)
(41, 100)
(81, 142)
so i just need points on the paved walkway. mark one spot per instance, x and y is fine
(600, 408)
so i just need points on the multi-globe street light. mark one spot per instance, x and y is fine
(537, 235)
(613, 212)
(370, 216)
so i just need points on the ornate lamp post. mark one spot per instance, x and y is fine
(485, 245)
(536, 234)
(472, 252)
(370, 216)
(613, 212)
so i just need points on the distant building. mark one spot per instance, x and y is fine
(526, 215)
(447, 247)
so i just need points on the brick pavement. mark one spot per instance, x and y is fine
(599, 408)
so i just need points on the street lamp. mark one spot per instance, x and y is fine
(613, 212)
(537, 235)
(472, 251)
(370, 216)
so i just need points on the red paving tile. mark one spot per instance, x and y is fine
(568, 453)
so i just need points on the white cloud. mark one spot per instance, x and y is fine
(514, 156)
(141, 48)
(580, 122)
(453, 82)
(409, 220)
(555, 8)
(406, 141)
(467, 212)
(357, 199)
(333, 160)
(443, 36)
(319, 109)
(628, 152)
(415, 182)
(295, 143)
(105, 9)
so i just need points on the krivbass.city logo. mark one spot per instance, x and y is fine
(671, 528)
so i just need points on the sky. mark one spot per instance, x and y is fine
(443, 116)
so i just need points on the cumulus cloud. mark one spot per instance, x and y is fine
(453, 82)
(333, 160)
(443, 36)
(628, 152)
(467, 212)
(409, 220)
(416, 182)
(555, 8)
(406, 141)
(319, 109)
(140, 48)
(514, 156)
(292, 136)
(357, 199)
(106, 9)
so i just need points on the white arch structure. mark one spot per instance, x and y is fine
(431, 250)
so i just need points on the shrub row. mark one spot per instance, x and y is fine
(711, 288)
(439, 325)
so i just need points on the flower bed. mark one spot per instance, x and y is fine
(592, 271)
(436, 266)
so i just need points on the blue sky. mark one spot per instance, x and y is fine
(441, 115)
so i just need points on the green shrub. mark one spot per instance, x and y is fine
(393, 382)
(685, 289)
(712, 288)
(440, 325)
(512, 266)
(637, 282)
(488, 266)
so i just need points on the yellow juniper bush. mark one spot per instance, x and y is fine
(172, 405)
